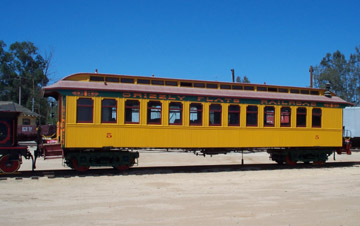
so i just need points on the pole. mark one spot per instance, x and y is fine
(242, 157)
(33, 101)
(311, 70)
(233, 75)
(20, 95)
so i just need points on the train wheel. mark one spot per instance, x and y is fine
(77, 167)
(289, 161)
(9, 166)
(121, 168)
(319, 163)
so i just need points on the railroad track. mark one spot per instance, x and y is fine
(66, 173)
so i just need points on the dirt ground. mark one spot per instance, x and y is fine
(315, 196)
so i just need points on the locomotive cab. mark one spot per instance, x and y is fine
(8, 123)
(10, 152)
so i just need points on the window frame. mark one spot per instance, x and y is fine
(316, 115)
(268, 113)
(26, 122)
(131, 107)
(84, 106)
(149, 110)
(198, 113)
(176, 110)
(234, 112)
(303, 125)
(214, 111)
(284, 113)
(252, 112)
(111, 110)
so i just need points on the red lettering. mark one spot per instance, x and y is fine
(272, 102)
(162, 96)
(152, 96)
(219, 100)
(298, 103)
(200, 98)
(264, 102)
(284, 103)
(171, 97)
(227, 100)
(236, 101)
(209, 100)
(137, 95)
(181, 97)
(292, 103)
(127, 95)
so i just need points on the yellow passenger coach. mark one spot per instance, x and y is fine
(103, 116)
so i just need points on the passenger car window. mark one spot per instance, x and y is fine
(108, 111)
(154, 112)
(251, 115)
(285, 117)
(234, 115)
(132, 112)
(175, 113)
(215, 115)
(316, 117)
(84, 110)
(301, 117)
(269, 116)
(196, 114)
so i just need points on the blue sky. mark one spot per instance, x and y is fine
(268, 41)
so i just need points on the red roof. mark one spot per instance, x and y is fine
(242, 94)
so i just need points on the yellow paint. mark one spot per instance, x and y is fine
(142, 135)
(79, 77)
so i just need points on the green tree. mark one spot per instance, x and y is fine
(23, 72)
(354, 74)
(343, 75)
(7, 74)
(244, 80)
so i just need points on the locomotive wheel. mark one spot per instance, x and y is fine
(289, 161)
(9, 166)
(77, 167)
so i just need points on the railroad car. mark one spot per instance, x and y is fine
(351, 123)
(102, 117)
(10, 151)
